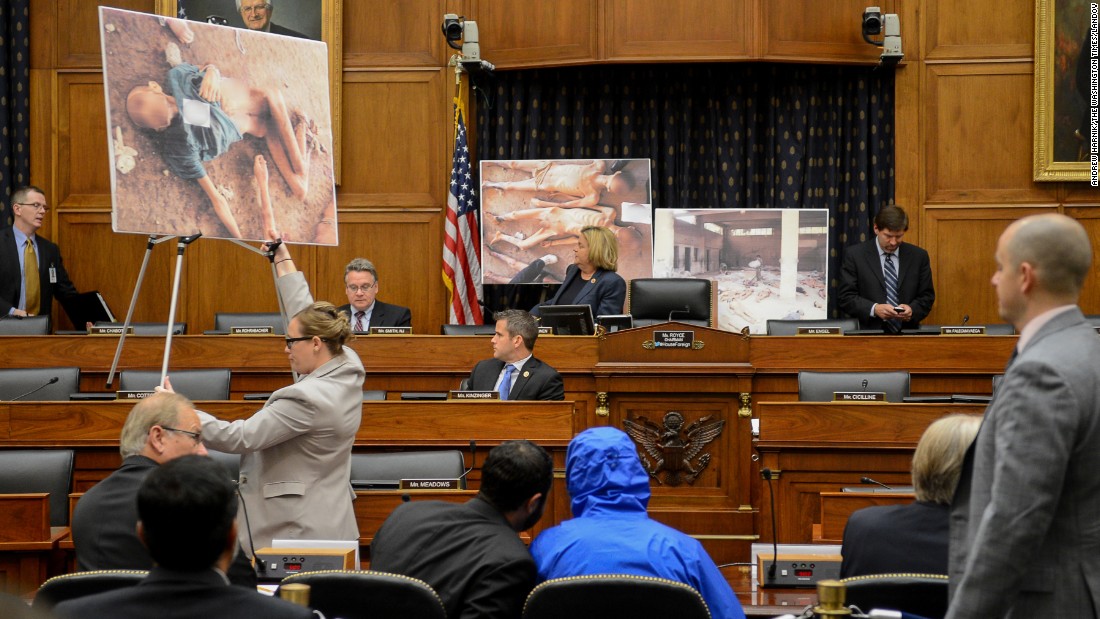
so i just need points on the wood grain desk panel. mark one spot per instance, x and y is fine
(837, 507)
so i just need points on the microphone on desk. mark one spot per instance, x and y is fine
(868, 480)
(36, 389)
(258, 565)
(473, 454)
(686, 310)
(966, 319)
(864, 388)
(766, 473)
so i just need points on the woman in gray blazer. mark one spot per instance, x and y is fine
(296, 450)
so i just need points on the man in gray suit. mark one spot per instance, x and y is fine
(1025, 521)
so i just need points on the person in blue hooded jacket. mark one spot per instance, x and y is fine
(611, 533)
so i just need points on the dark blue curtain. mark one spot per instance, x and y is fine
(14, 100)
(720, 136)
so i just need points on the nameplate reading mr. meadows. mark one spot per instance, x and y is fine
(673, 339)
(455, 394)
(431, 484)
(391, 330)
(962, 330)
(820, 331)
(859, 396)
(133, 395)
(268, 330)
(109, 330)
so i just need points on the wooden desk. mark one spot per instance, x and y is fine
(822, 447)
(27, 542)
(837, 507)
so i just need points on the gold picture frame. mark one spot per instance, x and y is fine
(330, 28)
(1059, 144)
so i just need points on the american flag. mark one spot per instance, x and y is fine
(462, 241)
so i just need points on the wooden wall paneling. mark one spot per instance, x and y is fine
(908, 164)
(406, 247)
(656, 30)
(978, 30)
(396, 33)
(98, 259)
(961, 241)
(82, 165)
(41, 147)
(536, 34)
(78, 30)
(830, 31)
(220, 276)
(1089, 216)
(397, 133)
(978, 134)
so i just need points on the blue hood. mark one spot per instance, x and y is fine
(603, 473)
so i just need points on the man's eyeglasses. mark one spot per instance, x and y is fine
(195, 436)
(352, 288)
(255, 8)
(37, 206)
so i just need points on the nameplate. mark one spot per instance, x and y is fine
(431, 484)
(673, 339)
(472, 395)
(820, 331)
(859, 396)
(110, 330)
(133, 395)
(391, 330)
(962, 330)
(268, 330)
(1097, 329)
(546, 330)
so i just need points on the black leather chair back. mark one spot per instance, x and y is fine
(40, 470)
(469, 329)
(78, 584)
(614, 595)
(790, 327)
(651, 300)
(924, 595)
(224, 320)
(1000, 329)
(230, 462)
(369, 595)
(193, 384)
(149, 328)
(398, 465)
(17, 382)
(32, 325)
(819, 386)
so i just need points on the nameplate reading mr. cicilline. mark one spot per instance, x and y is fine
(859, 396)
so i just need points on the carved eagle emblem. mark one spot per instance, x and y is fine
(672, 449)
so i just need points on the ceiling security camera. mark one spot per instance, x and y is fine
(452, 29)
(872, 21)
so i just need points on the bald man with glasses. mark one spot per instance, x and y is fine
(31, 271)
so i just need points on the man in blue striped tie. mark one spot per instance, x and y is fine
(513, 371)
(885, 283)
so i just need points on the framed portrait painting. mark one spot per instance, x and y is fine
(318, 20)
(1062, 89)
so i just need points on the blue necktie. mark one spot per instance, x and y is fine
(892, 288)
(506, 382)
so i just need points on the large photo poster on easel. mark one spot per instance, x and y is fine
(766, 263)
(533, 211)
(217, 130)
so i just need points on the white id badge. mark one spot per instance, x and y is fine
(53, 275)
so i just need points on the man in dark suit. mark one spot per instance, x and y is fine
(513, 371)
(20, 296)
(363, 308)
(188, 511)
(884, 283)
(1024, 534)
(160, 428)
(470, 553)
(257, 16)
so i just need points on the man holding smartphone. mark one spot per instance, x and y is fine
(885, 283)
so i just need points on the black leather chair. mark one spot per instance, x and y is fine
(17, 382)
(369, 595)
(194, 384)
(25, 471)
(1093, 319)
(223, 321)
(924, 595)
(652, 300)
(469, 329)
(149, 328)
(398, 465)
(997, 378)
(373, 395)
(230, 462)
(1000, 329)
(819, 386)
(32, 325)
(790, 327)
(78, 584)
(614, 595)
